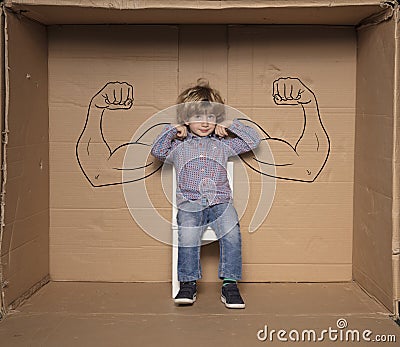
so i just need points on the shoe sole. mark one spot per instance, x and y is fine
(232, 305)
(185, 301)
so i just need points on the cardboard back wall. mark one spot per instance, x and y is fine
(307, 235)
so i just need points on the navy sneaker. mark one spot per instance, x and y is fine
(230, 296)
(186, 294)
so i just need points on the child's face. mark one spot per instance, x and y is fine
(202, 124)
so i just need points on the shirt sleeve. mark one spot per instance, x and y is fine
(246, 140)
(163, 145)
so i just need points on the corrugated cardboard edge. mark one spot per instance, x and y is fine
(4, 133)
(389, 10)
(335, 12)
(26, 295)
(396, 172)
(190, 4)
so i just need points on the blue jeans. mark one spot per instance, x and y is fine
(192, 220)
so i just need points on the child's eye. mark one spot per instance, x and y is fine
(195, 117)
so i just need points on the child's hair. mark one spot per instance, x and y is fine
(199, 98)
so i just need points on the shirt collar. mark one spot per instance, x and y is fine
(194, 136)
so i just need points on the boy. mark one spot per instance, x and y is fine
(199, 148)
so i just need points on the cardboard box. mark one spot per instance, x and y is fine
(343, 226)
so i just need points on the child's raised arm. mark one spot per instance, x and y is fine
(163, 145)
(246, 138)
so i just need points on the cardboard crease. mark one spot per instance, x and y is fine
(4, 140)
(396, 169)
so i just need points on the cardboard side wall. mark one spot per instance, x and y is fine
(373, 182)
(24, 249)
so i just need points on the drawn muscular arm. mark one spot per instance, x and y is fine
(101, 164)
(303, 160)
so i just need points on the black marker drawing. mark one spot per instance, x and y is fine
(102, 165)
(302, 161)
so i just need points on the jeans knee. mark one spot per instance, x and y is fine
(189, 238)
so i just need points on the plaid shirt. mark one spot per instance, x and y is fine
(200, 162)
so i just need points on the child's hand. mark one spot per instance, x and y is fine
(220, 129)
(181, 131)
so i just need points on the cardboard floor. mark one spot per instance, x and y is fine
(143, 314)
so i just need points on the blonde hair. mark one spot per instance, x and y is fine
(199, 98)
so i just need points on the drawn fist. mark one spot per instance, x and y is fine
(291, 91)
(114, 96)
